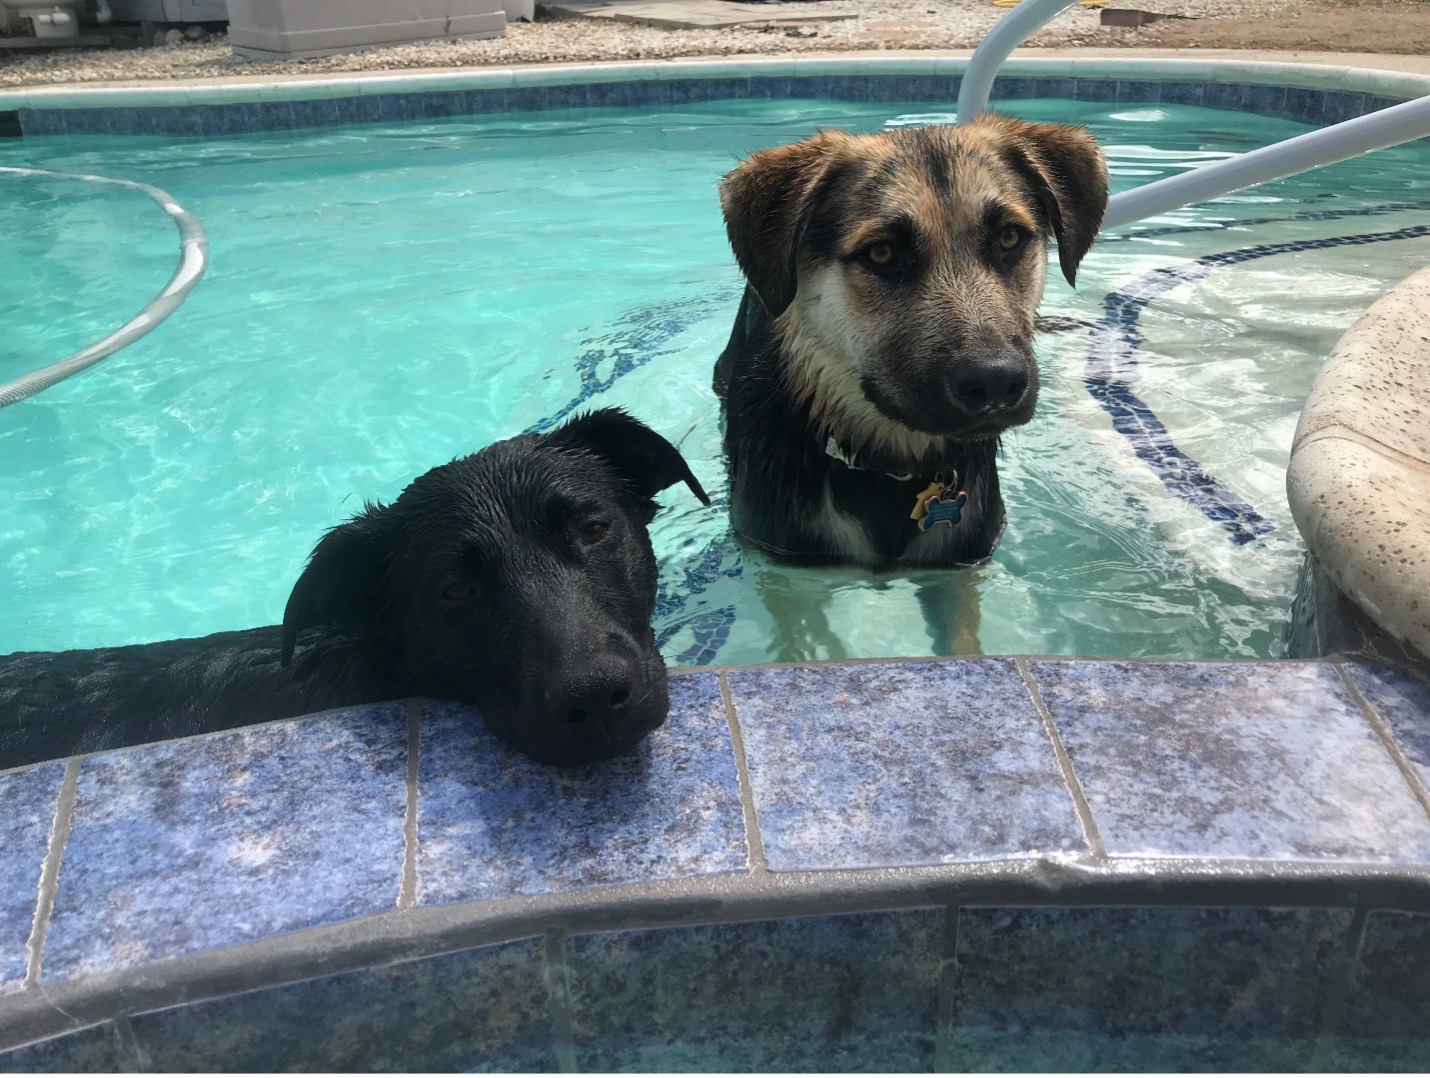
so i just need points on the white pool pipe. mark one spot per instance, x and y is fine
(1339, 142)
(1007, 34)
(1375, 131)
(193, 260)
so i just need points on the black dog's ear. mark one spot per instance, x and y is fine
(763, 201)
(636, 453)
(1066, 169)
(343, 579)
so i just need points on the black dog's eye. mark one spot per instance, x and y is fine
(1010, 238)
(881, 254)
(593, 531)
(458, 592)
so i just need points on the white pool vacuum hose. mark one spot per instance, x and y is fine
(1375, 131)
(193, 260)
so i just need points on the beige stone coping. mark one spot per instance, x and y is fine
(1359, 477)
(1382, 75)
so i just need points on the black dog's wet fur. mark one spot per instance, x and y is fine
(546, 631)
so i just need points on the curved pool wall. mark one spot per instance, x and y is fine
(969, 864)
(906, 865)
(1307, 93)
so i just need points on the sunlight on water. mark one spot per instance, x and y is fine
(382, 299)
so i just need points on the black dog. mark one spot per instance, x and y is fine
(520, 579)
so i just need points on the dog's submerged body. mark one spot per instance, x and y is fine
(520, 579)
(885, 338)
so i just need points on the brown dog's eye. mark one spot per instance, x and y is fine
(881, 254)
(458, 592)
(594, 531)
(1009, 238)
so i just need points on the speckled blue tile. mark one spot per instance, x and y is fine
(96, 1050)
(1232, 760)
(1096, 89)
(492, 823)
(1386, 1022)
(479, 1010)
(270, 115)
(1182, 93)
(837, 994)
(318, 112)
(190, 846)
(1264, 100)
(485, 101)
(444, 104)
(1223, 95)
(1404, 704)
(41, 122)
(1055, 88)
(900, 764)
(1304, 105)
(27, 813)
(608, 95)
(1152, 990)
(1138, 92)
(533, 98)
(1341, 106)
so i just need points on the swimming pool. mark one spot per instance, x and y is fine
(381, 298)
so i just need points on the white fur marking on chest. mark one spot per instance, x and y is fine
(825, 360)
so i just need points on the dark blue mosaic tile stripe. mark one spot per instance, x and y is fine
(1258, 761)
(1306, 105)
(834, 994)
(493, 824)
(96, 1050)
(1386, 1022)
(1111, 371)
(191, 846)
(1151, 990)
(27, 812)
(900, 764)
(482, 1010)
(1404, 704)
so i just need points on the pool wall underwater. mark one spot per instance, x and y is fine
(976, 864)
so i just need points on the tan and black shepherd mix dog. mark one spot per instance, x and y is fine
(885, 339)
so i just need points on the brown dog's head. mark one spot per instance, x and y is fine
(904, 269)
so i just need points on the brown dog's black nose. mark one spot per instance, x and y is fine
(991, 382)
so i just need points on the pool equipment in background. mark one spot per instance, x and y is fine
(193, 260)
(1405, 122)
(45, 18)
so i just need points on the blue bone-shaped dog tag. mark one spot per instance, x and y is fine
(939, 511)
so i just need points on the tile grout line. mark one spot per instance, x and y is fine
(407, 890)
(50, 874)
(753, 840)
(1382, 731)
(124, 1030)
(943, 1062)
(1340, 992)
(558, 991)
(1092, 834)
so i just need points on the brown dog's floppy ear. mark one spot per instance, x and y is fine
(1066, 169)
(761, 201)
(636, 453)
(342, 581)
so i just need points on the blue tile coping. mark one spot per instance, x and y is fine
(984, 863)
(1307, 93)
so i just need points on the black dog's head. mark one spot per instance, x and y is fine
(904, 268)
(520, 579)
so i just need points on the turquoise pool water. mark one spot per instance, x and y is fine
(383, 298)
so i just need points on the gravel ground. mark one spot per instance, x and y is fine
(901, 24)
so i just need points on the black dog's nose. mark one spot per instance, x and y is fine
(598, 697)
(990, 382)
